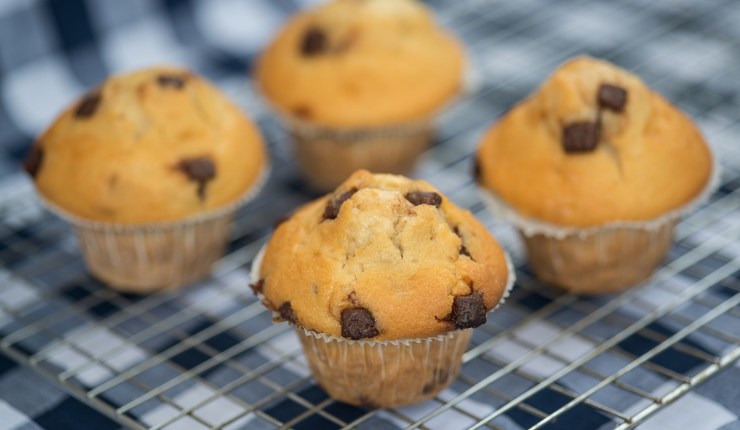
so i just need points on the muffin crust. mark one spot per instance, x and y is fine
(594, 145)
(154, 145)
(361, 63)
(383, 257)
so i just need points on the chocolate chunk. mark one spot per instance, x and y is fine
(612, 97)
(286, 313)
(32, 165)
(469, 311)
(314, 42)
(257, 287)
(477, 173)
(200, 170)
(424, 198)
(171, 81)
(358, 323)
(581, 136)
(88, 105)
(332, 208)
(302, 111)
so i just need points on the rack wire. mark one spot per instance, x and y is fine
(209, 357)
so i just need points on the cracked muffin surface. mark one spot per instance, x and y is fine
(594, 145)
(382, 258)
(159, 144)
(358, 63)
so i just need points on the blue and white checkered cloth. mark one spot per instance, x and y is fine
(52, 50)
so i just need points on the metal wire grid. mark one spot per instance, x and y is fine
(706, 264)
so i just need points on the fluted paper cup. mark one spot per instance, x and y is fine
(143, 258)
(327, 156)
(597, 260)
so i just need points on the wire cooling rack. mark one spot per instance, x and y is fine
(210, 356)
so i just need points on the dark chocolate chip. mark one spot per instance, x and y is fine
(314, 42)
(358, 323)
(171, 81)
(33, 162)
(581, 136)
(477, 173)
(286, 313)
(200, 170)
(332, 208)
(469, 311)
(257, 287)
(88, 105)
(612, 97)
(302, 111)
(424, 198)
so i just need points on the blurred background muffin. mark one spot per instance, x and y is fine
(149, 167)
(358, 84)
(592, 168)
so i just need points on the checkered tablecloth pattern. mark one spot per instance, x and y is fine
(189, 346)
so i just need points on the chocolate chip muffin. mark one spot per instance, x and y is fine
(382, 260)
(154, 145)
(358, 84)
(589, 166)
(157, 147)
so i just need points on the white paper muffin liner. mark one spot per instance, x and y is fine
(146, 257)
(385, 373)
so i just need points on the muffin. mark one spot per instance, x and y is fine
(358, 84)
(149, 168)
(383, 280)
(595, 169)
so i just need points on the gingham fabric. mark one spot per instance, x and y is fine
(51, 51)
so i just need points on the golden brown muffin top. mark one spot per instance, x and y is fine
(359, 63)
(159, 144)
(382, 258)
(594, 145)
